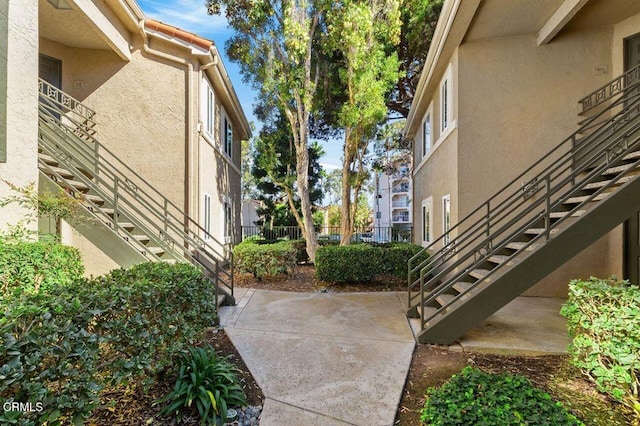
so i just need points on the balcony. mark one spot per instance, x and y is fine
(401, 218)
(401, 203)
(400, 189)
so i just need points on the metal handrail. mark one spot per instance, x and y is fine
(67, 103)
(613, 88)
(143, 201)
(507, 215)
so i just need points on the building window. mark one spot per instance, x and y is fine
(445, 102)
(426, 135)
(228, 222)
(207, 216)
(228, 138)
(209, 118)
(426, 221)
(446, 218)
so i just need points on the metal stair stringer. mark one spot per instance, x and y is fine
(529, 267)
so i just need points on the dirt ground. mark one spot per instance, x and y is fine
(431, 366)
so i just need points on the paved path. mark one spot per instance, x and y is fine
(323, 358)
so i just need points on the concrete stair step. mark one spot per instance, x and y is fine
(479, 273)
(583, 198)
(516, 245)
(445, 298)
(429, 311)
(141, 238)
(616, 170)
(47, 159)
(126, 225)
(462, 286)
(95, 199)
(155, 250)
(76, 185)
(602, 183)
(498, 259)
(66, 174)
(560, 215)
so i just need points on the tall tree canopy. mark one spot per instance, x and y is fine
(274, 43)
(274, 164)
(363, 33)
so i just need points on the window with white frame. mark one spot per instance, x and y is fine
(446, 218)
(445, 102)
(228, 221)
(228, 137)
(207, 217)
(209, 110)
(426, 135)
(426, 221)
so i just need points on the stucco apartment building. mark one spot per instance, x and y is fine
(159, 168)
(500, 89)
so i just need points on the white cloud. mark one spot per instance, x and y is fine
(328, 166)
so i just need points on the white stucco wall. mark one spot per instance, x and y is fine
(22, 104)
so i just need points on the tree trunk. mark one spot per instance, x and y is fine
(346, 229)
(302, 168)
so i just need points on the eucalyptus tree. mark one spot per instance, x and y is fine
(274, 43)
(364, 34)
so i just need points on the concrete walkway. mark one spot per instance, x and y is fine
(323, 358)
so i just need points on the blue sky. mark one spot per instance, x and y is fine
(191, 15)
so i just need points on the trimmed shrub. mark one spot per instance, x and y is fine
(473, 397)
(604, 323)
(62, 346)
(34, 266)
(362, 262)
(265, 259)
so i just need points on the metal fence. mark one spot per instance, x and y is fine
(377, 234)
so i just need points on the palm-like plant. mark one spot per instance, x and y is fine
(206, 383)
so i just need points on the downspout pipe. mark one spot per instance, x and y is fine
(189, 138)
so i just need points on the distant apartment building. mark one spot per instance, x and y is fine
(392, 201)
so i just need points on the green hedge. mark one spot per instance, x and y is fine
(474, 397)
(604, 323)
(62, 346)
(362, 262)
(34, 266)
(265, 259)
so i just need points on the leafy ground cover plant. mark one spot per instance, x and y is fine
(474, 397)
(265, 259)
(604, 323)
(206, 384)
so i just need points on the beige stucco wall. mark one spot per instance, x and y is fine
(22, 104)
(521, 101)
(436, 175)
(622, 30)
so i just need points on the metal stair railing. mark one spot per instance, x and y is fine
(131, 195)
(526, 202)
(613, 88)
(60, 102)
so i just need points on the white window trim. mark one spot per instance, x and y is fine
(428, 205)
(226, 202)
(429, 115)
(208, 114)
(227, 124)
(446, 211)
(206, 219)
(446, 102)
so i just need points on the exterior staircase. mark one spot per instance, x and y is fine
(575, 194)
(122, 214)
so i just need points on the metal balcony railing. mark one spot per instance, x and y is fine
(129, 196)
(536, 199)
(626, 81)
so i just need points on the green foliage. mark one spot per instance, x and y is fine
(362, 262)
(604, 322)
(57, 205)
(207, 383)
(265, 259)
(34, 266)
(63, 345)
(473, 397)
